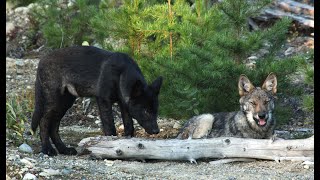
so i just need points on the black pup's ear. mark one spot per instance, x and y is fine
(156, 85)
(137, 89)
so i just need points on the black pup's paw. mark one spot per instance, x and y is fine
(49, 151)
(69, 151)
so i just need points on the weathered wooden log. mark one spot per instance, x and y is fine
(295, 7)
(192, 149)
(306, 21)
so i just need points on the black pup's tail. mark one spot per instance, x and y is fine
(39, 105)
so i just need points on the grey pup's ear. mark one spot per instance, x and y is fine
(244, 85)
(156, 85)
(137, 89)
(270, 84)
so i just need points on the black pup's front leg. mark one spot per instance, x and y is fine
(127, 121)
(105, 109)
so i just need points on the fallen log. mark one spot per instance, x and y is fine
(192, 149)
(295, 7)
(304, 20)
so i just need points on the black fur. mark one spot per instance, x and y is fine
(87, 71)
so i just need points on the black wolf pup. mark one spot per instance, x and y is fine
(254, 120)
(87, 71)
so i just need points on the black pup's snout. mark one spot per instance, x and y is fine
(155, 131)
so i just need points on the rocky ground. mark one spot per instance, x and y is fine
(82, 121)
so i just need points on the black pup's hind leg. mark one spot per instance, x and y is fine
(63, 103)
(105, 110)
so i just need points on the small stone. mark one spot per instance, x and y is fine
(49, 172)
(29, 87)
(19, 63)
(21, 10)
(91, 116)
(23, 170)
(19, 76)
(9, 27)
(177, 125)
(306, 166)
(29, 176)
(25, 148)
(30, 159)
(66, 171)
(108, 162)
(26, 162)
(289, 51)
(13, 157)
(300, 124)
(252, 58)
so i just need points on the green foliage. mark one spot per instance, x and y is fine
(17, 3)
(282, 115)
(308, 70)
(199, 50)
(64, 25)
(308, 103)
(18, 111)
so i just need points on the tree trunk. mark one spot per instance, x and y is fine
(192, 149)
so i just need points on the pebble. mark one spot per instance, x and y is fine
(19, 76)
(30, 159)
(177, 125)
(25, 148)
(108, 162)
(23, 170)
(289, 51)
(13, 157)
(252, 58)
(91, 116)
(306, 166)
(26, 162)
(49, 172)
(9, 27)
(29, 176)
(19, 63)
(66, 171)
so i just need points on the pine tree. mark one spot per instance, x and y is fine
(199, 49)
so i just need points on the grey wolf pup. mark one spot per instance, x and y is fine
(87, 71)
(254, 120)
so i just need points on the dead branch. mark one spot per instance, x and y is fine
(192, 149)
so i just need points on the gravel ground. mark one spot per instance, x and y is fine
(82, 167)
